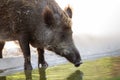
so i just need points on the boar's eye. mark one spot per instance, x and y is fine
(62, 36)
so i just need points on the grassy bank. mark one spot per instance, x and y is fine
(101, 69)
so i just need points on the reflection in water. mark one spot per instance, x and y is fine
(77, 75)
(115, 72)
(28, 74)
(3, 78)
(42, 74)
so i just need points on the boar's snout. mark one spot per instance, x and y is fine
(69, 52)
(73, 56)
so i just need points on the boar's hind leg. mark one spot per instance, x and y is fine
(41, 59)
(24, 44)
(1, 48)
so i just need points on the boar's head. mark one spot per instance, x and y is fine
(61, 41)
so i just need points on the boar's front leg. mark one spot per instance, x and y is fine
(41, 59)
(1, 48)
(24, 44)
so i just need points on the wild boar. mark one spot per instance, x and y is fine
(41, 23)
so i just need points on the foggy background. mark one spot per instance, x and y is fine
(95, 17)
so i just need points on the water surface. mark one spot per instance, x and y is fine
(101, 69)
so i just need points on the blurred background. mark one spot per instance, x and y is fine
(95, 17)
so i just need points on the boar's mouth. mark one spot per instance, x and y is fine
(74, 58)
(77, 64)
(74, 61)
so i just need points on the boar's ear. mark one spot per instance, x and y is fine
(48, 16)
(68, 10)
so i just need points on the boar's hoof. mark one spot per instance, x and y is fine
(77, 64)
(43, 65)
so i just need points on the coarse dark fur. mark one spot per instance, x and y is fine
(41, 23)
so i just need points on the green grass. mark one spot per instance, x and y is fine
(101, 69)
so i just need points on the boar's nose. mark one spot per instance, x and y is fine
(77, 64)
